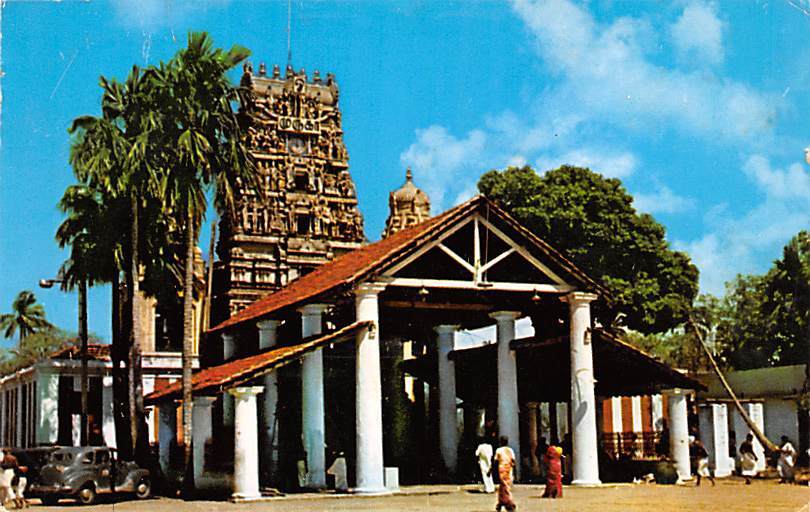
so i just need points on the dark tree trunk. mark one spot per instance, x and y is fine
(83, 339)
(119, 353)
(188, 351)
(137, 426)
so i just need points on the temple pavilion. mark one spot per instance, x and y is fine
(340, 359)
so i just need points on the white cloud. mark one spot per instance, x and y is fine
(662, 200)
(438, 159)
(698, 34)
(611, 165)
(734, 245)
(150, 15)
(606, 70)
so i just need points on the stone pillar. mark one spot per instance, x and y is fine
(583, 402)
(228, 348)
(448, 432)
(200, 434)
(657, 406)
(245, 444)
(48, 414)
(534, 462)
(312, 403)
(714, 434)
(508, 407)
(757, 415)
(369, 469)
(167, 432)
(679, 432)
(108, 411)
(268, 337)
(545, 421)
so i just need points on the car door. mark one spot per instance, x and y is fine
(103, 467)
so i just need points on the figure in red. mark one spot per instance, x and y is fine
(553, 463)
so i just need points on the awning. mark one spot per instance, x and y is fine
(217, 379)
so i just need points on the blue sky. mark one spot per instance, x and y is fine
(701, 108)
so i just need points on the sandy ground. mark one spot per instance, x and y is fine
(729, 495)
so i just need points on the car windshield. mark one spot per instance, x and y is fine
(62, 457)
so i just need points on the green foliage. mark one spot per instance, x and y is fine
(34, 348)
(766, 319)
(592, 220)
(26, 317)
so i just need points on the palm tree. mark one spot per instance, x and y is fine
(202, 144)
(26, 318)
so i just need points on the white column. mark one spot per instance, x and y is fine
(545, 421)
(228, 348)
(107, 411)
(448, 432)
(312, 402)
(714, 434)
(201, 433)
(167, 432)
(245, 444)
(48, 413)
(583, 401)
(657, 412)
(268, 337)
(369, 436)
(508, 407)
(757, 415)
(679, 432)
(533, 409)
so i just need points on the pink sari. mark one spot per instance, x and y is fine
(506, 462)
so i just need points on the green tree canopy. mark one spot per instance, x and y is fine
(765, 319)
(591, 219)
(26, 317)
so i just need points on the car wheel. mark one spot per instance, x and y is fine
(87, 495)
(143, 489)
(49, 501)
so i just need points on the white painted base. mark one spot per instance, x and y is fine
(587, 483)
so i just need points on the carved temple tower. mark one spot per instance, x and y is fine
(407, 206)
(308, 211)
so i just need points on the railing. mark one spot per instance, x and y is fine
(633, 445)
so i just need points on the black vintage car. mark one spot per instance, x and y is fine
(82, 473)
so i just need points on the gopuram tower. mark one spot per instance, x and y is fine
(308, 212)
(407, 207)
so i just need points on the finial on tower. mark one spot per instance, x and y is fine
(276, 71)
(408, 174)
(262, 69)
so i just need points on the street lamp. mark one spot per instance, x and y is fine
(82, 289)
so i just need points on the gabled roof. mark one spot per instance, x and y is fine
(216, 379)
(351, 268)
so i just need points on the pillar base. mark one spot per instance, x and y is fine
(376, 491)
(587, 483)
(241, 498)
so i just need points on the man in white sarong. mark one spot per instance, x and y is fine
(6, 476)
(787, 459)
(748, 459)
(484, 455)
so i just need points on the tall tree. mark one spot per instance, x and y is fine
(591, 219)
(26, 317)
(201, 151)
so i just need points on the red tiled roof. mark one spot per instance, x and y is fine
(95, 351)
(231, 374)
(343, 270)
(351, 267)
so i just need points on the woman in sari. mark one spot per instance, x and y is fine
(553, 463)
(505, 458)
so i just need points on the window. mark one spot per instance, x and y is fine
(102, 457)
(301, 181)
(87, 458)
(303, 222)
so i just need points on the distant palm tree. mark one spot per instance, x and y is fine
(26, 318)
(202, 143)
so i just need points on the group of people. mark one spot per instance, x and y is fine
(12, 481)
(503, 462)
(748, 460)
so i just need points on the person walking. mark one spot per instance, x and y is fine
(787, 459)
(505, 457)
(484, 455)
(553, 466)
(702, 456)
(7, 464)
(748, 459)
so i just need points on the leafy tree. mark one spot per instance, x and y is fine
(26, 317)
(37, 347)
(766, 318)
(200, 150)
(591, 219)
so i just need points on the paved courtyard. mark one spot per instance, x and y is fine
(729, 495)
